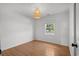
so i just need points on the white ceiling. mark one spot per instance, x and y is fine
(27, 9)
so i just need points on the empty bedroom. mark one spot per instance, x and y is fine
(37, 29)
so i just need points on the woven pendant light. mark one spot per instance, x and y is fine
(37, 13)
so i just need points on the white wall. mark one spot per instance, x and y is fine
(15, 29)
(62, 28)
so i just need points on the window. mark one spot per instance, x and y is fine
(50, 29)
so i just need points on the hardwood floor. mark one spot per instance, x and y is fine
(37, 48)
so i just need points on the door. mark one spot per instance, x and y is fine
(71, 28)
(77, 28)
(74, 29)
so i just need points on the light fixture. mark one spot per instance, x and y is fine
(37, 13)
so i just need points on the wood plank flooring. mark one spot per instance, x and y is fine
(37, 48)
